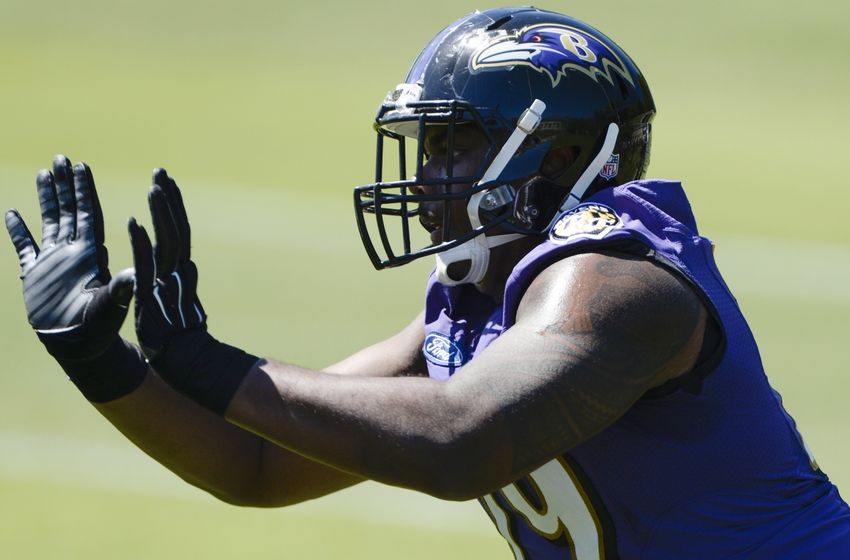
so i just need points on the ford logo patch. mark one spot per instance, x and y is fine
(441, 350)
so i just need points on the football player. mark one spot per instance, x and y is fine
(579, 367)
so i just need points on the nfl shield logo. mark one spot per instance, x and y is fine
(610, 169)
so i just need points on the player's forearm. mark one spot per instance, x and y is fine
(195, 444)
(409, 432)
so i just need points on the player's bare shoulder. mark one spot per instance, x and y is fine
(630, 308)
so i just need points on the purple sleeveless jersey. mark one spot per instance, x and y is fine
(714, 469)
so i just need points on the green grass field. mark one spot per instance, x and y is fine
(262, 112)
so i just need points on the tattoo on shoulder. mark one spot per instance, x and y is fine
(601, 338)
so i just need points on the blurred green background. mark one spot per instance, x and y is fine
(262, 111)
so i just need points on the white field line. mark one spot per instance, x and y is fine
(764, 267)
(123, 470)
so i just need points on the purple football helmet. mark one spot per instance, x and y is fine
(532, 81)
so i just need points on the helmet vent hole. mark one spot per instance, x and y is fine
(499, 23)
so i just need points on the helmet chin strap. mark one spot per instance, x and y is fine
(477, 249)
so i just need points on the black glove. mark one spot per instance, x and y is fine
(72, 302)
(170, 321)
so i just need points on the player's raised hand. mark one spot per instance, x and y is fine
(75, 306)
(170, 321)
(166, 278)
(72, 301)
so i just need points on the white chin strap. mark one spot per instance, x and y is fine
(477, 252)
(477, 249)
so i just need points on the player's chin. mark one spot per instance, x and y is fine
(436, 237)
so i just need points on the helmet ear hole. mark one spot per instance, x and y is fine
(537, 202)
(558, 161)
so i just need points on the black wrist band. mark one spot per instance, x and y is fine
(200, 367)
(116, 372)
